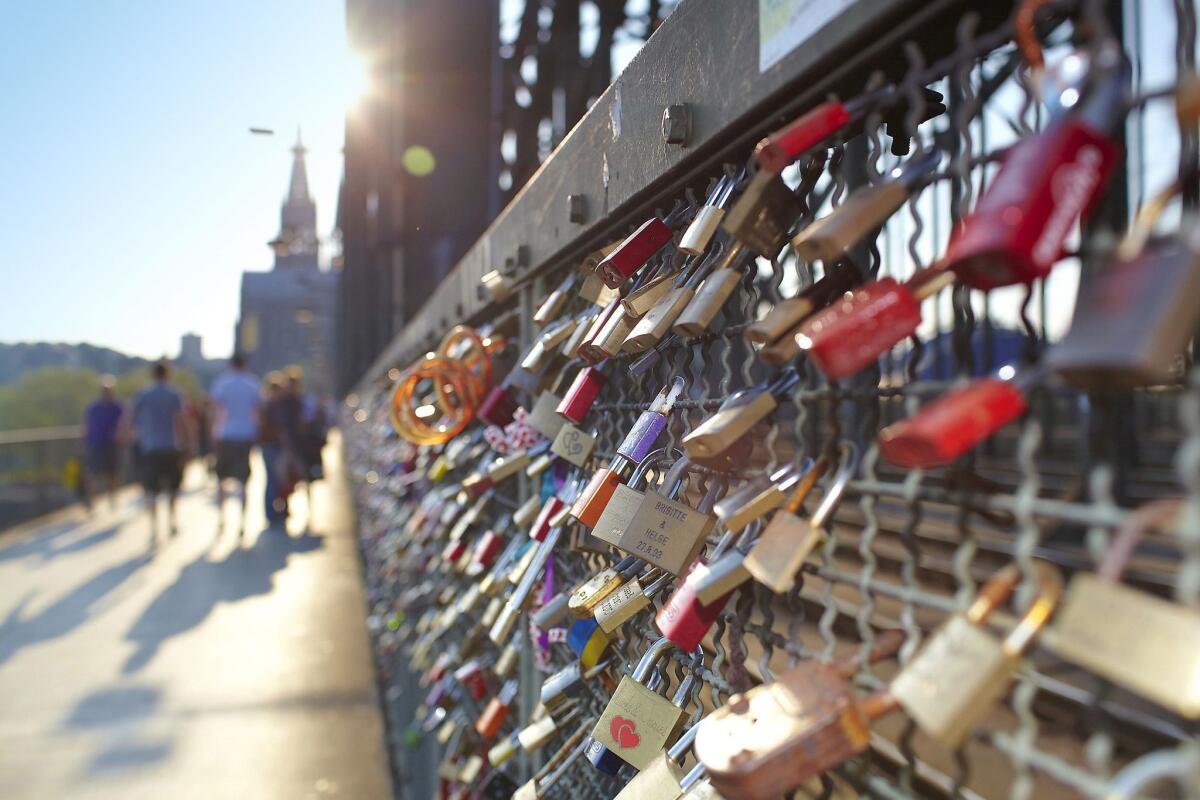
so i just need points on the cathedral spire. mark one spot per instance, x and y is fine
(298, 189)
(297, 244)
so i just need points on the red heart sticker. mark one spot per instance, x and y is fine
(624, 732)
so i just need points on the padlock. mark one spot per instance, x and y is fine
(454, 550)
(962, 671)
(737, 415)
(708, 218)
(495, 714)
(626, 601)
(592, 591)
(522, 594)
(498, 407)
(1144, 643)
(639, 302)
(786, 542)
(819, 124)
(569, 683)
(554, 301)
(768, 741)
(537, 734)
(763, 215)
(586, 352)
(487, 548)
(667, 533)
(583, 392)
(712, 293)
(570, 346)
(651, 423)
(587, 641)
(476, 484)
(634, 252)
(503, 751)
(1134, 320)
(506, 662)
(595, 496)
(683, 618)
(638, 723)
(556, 766)
(542, 525)
(949, 426)
(540, 464)
(552, 612)
(507, 466)
(658, 320)
(496, 285)
(543, 418)
(469, 773)
(758, 497)
(473, 677)
(866, 210)
(623, 503)
(1047, 183)
(611, 338)
(722, 575)
(662, 779)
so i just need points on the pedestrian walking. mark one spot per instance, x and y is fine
(236, 398)
(279, 429)
(163, 433)
(101, 425)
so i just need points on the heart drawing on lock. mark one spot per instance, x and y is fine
(624, 732)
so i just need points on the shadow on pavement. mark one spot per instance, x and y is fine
(64, 614)
(46, 544)
(203, 583)
(112, 706)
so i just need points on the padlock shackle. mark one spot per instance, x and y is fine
(997, 590)
(805, 484)
(1158, 514)
(833, 495)
(649, 461)
(677, 751)
(887, 643)
(651, 657)
(1134, 240)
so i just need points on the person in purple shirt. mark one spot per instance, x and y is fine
(101, 421)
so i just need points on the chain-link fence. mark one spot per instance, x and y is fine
(906, 548)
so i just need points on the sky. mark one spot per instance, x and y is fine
(132, 195)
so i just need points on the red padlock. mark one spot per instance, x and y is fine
(453, 551)
(583, 392)
(541, 525)
(785, 145)
(685, 620)
(633, 253)
(954, 423)
(498, 407)
(486, 549)
(473, 678)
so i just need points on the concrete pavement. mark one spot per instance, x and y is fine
(203, 667)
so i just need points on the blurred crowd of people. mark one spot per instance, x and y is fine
(164, 430)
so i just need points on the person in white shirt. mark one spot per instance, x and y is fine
(236, 398)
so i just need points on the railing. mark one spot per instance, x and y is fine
(907, 547)
(34, 471)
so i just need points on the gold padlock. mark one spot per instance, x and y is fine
(730, 422)
(508, 465)
(708, 300)
(622, 501)
(662, 779)
(645, 297)
(625, 602)
(787, 541)
(658, 320)
(570, 345)
(589, 593)
(554, 301)
(667, 533)
(1144, 643)
(963, 670)
(503, 750)
(611, 337)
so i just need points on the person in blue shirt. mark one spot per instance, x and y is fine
(101, 423)
(162, 431)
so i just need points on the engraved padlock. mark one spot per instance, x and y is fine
(638, 723)
(962, 671)
(625, 500)
(666, 532)
(768, 741)
(786, 542)
(737, 415)
(634, 252)
(1145, 643)
(588, 594)
(623, 603)
(583, 392)
(704, 225)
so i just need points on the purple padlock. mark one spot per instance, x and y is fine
(650, 425)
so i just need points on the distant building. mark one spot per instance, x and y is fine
(191, 350)
(288, 315)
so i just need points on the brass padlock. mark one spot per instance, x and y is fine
(962, 671)
(503, 750)
(865, 210)
(611, 338)
(658, 320)
(638, 723)
(667, 533)
(1144, 643)
(712, 293)
(626, 601)
(554, 301)
(763, 215)
(509, 465)
(588, 594)
(740, 412)
(758, 497)
(646, 296)
(570, 345)
(663, 778)
(704, 225)
(778, 327)
(787, 541)
(624, 501)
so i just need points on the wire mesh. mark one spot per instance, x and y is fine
(906, 548)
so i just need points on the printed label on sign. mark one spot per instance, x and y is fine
(665, 533)
(544, 419)
(783, 25)
(573, 444)
(637, 723)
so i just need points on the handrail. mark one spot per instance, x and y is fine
(47, 434)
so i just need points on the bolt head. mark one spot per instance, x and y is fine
(577, 208)
(676, 124)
